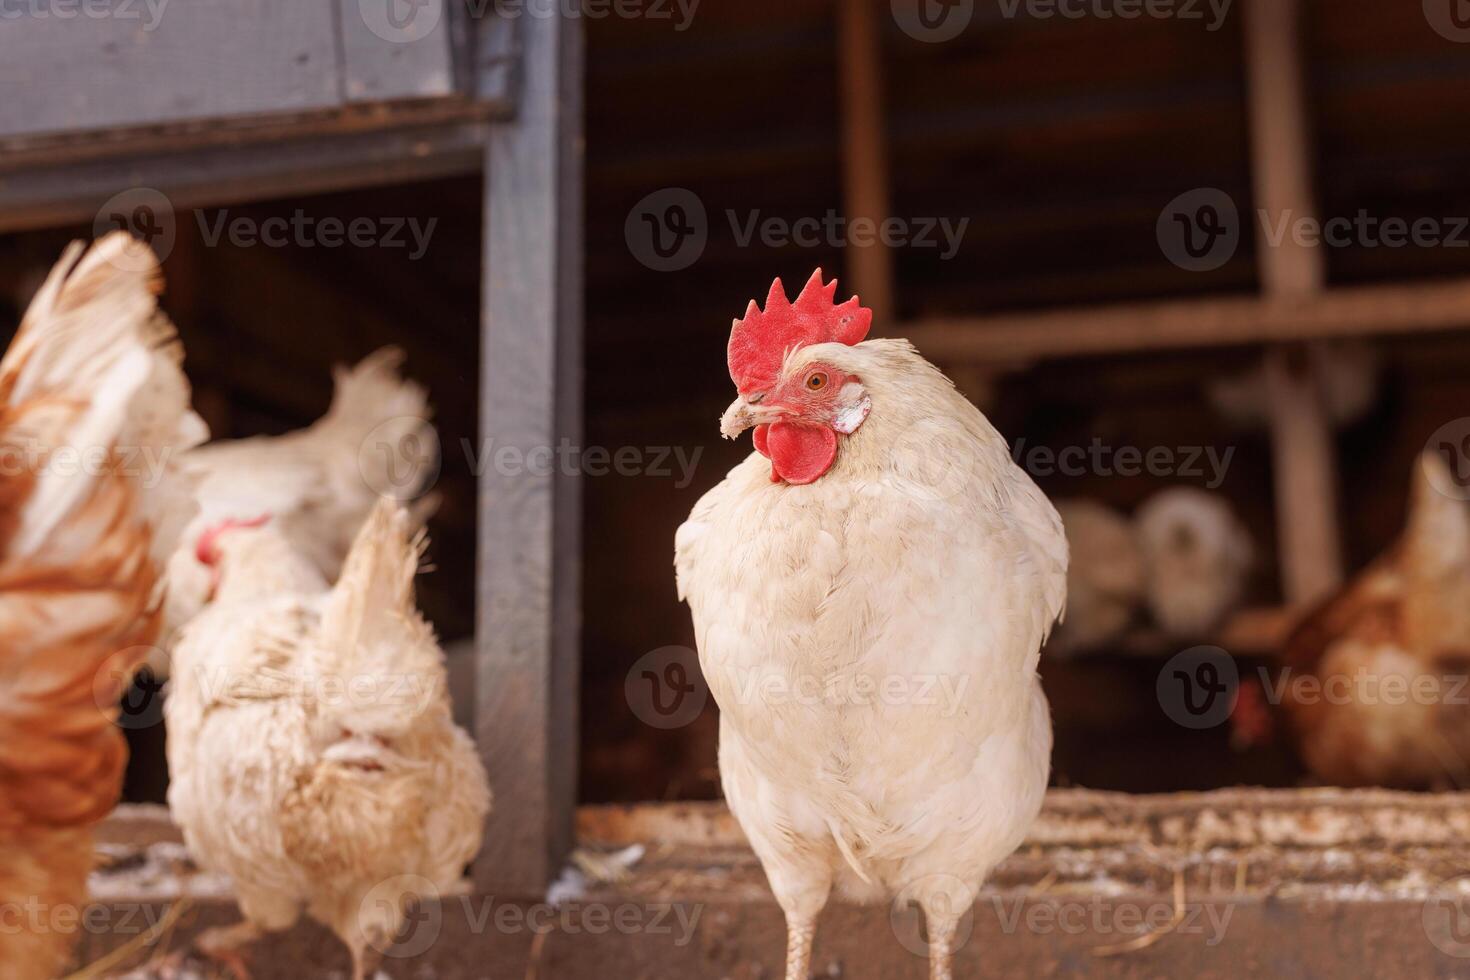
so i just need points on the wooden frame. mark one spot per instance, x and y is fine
(498, 95)
(1294, 309)
(530, 546)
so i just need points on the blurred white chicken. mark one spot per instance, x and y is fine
(1198, 557)
(1105, 579)
(316, 485)
(310, 743)
(94, 415)
(870, 592)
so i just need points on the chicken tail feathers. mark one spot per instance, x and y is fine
(96, 369)
(381, 419)
(373, 638)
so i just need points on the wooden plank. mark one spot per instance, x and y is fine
(529, 602)
(865, 153)
(1364, 882)
(145, 63)
(1302, 442)
(1403, 308)
(396, 50)
(47, 196)
(1304, 472)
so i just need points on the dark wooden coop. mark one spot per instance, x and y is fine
(1060, 139)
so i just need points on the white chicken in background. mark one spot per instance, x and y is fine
(1105, 578)
(1198, 555)
(94, 416)
(316, 485)
(310, 743)
(870, 593)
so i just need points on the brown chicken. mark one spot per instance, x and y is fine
(1375, 688)
(93, 408)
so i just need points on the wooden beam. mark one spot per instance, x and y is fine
(529, 536)
(1404, 308)
(865, 153)
(148, 65)
(1280, 146)
(48, 194)
(1302, 440)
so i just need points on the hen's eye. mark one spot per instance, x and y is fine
(817, 381)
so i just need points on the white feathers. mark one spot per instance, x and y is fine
(318, 484)
(1198, 556)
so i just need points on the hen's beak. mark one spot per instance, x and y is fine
(742, 414)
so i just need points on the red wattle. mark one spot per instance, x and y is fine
(759, 438)
(800, 453)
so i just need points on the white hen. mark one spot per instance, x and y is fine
(318, 484)
(870, 593)
(312, 753)
(1198, 555)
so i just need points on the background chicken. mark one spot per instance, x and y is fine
(1375, 688)
(880, 540)
(310, 741)
(318, 484)
(1198, 558)
(93, 417)
(1105, 577)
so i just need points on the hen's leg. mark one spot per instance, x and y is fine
(945, 900)
(225, 945)
(799, 936)
(942, 929)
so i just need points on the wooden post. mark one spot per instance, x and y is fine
(1302, 439)
(529, 602)
(864, 154)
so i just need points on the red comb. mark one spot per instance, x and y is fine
(760, 341)
(205, 548)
